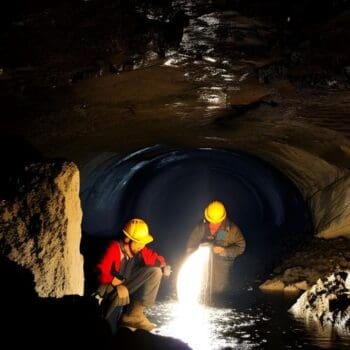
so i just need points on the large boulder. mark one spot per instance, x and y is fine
(327, 303)
(40, 227)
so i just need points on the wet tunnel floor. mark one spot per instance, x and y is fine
(250, 321)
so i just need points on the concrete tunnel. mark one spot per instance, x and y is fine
(170, 187)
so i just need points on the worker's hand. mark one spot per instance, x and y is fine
(189, 251)
(218, 250)
(166, 270)
(116, 282)
(122, 295)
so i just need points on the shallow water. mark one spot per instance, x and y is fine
(252, 321)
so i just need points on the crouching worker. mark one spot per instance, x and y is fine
(130, 274)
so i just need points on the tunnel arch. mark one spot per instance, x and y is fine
(170, 187)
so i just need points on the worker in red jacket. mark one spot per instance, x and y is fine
(130, 273)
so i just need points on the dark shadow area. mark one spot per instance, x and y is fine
(32, 322)
(141, 339)
(92, 250)
(83, 32)
(28, 320)
(16, 153)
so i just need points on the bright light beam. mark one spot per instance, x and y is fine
(193, 281)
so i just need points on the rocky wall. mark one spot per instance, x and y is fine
(40, 227)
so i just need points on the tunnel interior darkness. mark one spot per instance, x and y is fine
(169, 188)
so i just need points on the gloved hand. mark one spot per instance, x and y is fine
(218, 250)
(189, 251)
(166, 270)
(122, 297)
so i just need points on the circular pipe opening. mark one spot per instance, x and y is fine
(169, 189)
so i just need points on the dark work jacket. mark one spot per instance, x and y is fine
(228, 236)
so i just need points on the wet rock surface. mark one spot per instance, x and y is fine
(327, 303)
(300, 48)
(317, 258)
(40, 227)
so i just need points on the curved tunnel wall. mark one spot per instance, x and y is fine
(170, 188)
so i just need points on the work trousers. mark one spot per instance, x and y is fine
(221, 281)
(143, 284)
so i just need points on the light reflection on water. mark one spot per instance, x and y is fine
(203, 327)
(253, 321)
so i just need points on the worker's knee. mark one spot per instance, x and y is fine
(155, 272)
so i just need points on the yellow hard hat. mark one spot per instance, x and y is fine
(137, 230)
(215, 212)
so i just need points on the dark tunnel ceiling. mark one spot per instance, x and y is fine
(169, 188)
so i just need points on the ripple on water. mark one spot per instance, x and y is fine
(266, 326)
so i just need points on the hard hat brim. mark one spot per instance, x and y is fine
(147, 239)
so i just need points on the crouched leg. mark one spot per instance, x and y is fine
(143, 285)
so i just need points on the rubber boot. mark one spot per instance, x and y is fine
(134, 317)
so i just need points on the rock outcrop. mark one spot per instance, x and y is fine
(327, 303)
(40, 227)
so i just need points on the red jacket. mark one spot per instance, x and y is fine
(111, 261)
